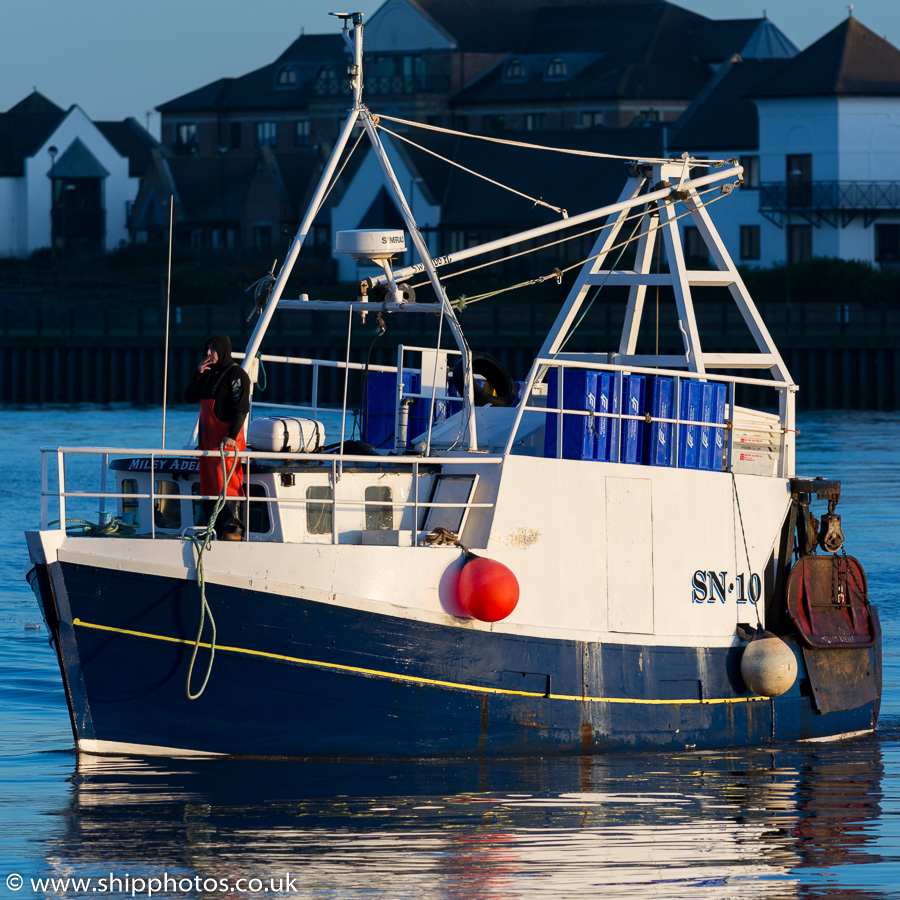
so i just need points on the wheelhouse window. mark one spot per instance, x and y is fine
(266, 133)
(379, 518)
(749, 241)
(186, 138)
(167, 505)
(259, 520)
(318, 515)
(130, 505)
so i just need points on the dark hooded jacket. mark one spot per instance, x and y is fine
(226, 383)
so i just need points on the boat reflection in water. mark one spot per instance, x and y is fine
(751, 823)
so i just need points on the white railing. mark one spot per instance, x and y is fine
(783, 435)
(335, 462)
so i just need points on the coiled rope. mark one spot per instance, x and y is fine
(201, 543)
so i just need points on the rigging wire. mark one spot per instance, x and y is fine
(559, 273)
(535, 200)
(711, 163)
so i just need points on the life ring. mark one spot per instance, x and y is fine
(499, 388)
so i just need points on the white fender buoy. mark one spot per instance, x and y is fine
(768, 665)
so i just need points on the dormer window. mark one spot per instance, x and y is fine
(327, 82)
(515, 70)
(557, 68)
(286, 78)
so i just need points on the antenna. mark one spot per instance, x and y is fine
(168, 302)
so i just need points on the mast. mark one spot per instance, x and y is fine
(359, 111)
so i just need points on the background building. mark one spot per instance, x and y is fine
(66, 182)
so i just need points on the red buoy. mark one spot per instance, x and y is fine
(488, 590)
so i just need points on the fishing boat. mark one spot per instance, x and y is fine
(614, 554)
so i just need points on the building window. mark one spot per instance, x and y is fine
(301, 133)
(646, 117)
(318, 515)
(592, 119)
(327, 84)
(186, 138)
(381, 517)
(535, 122)
(751, 172)
(287, 77)
(494, 123)
(515, 70)
(262, 237)
(799, 179)
(236, 135)
(696, 255)
(887, 244)
(265, 134)
(557, 68)
(749, 241)
(799, 243)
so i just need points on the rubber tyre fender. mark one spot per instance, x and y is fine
(495, 374)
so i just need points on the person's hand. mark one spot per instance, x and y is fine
(230, 443)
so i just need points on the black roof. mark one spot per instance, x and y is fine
(619, 49)
(23, 129)
(130, 139)
(851, 60)
(722, 117)
(576, 183)
(259, 89)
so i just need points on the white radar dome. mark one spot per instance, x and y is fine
(370, 243)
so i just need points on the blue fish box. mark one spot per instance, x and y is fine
(689, 434)
(712, 409)
(380, 407)
(606, 428)
(579, 392)
(633, 404)
(659, 446)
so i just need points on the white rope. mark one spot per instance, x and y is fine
(537, 201)
(712, 163)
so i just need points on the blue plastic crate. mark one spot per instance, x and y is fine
(606, 429)
(689, 434)
(380, 407)
(659, 445)
(633, 404)
(578, 432)
(712, 409)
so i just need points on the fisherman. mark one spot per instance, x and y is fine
(223, 389)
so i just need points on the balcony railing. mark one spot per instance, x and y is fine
(829, 200)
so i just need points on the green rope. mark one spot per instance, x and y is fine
(86, 528)
(201, 543)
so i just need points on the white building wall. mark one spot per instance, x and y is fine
(28, 201)
(13, 218)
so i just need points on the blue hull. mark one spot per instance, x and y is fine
(305, 679)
